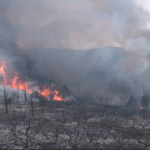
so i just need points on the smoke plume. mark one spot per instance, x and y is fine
(96, 47)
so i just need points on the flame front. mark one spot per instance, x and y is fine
(23, 86)
(58, 97)
(45, 92)
(17, 84)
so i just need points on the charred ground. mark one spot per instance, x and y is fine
(71, 125)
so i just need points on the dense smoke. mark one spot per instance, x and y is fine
(62, 42)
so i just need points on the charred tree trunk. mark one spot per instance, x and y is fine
(25, 95)
(51, 97)
(17, 94)
(32, 108)
(5, 99)
(42, 102)
(145, 102)
(145, 112)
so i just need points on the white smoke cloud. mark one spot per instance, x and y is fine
(137, 54)
(74, 24)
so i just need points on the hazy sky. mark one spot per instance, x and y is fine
(75, 24)
(78, 24)
(144, 3)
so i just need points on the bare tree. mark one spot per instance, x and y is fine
(6, 93)
(90, 132)
(144, 102)
(15, 96)
(42, 102)
(51, 93)
(17, 93)
(52, 133)
(75, 139)
(25, 94)
(31, 104)
(24, 132)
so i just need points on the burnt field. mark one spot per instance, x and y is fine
(72, 125)
(74, 74)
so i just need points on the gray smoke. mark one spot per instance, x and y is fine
(96, 47)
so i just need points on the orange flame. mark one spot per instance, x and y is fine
(17, 84)
(20, 85)
(3, 73)
(58, 97)
(45, 92)
(14, 82)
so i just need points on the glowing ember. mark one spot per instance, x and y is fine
(20, 85)
(141, 107)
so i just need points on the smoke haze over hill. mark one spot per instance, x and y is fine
(98, 46)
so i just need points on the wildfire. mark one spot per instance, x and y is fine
(58, 97)
(141, 107)
(17, 84)
(55, 94)
(20, 85)
(45, 92)
(2, 71)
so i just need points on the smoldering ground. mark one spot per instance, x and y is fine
(63, 42)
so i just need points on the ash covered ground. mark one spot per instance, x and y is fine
(71, 125)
